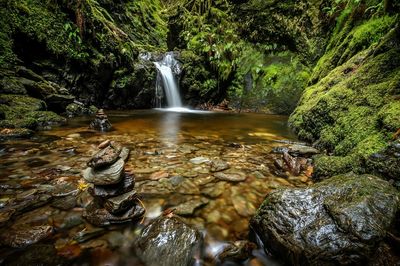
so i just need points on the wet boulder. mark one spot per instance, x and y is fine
(104, 157)
(108, 176)
(387, 162)
(127, 184)
(96, 215)
(22, 237)
(100, 122)
(338, 221)
(169, 242)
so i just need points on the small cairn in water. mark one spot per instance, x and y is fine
(100, 122)
(115, 200)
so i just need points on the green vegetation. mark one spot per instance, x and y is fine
(26, 112)
(352, 109)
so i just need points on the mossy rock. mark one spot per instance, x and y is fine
(353, 111)
(26, 112)
(12, 85)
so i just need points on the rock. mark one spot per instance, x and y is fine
(126, 184)
(231, 175)
(337, 221)
(39, 254)
(104, 144)
(199, 160)
(386, 163)
(188, 207)
(65, 203)
(59, 102)
(98, 216)
(241, 202)
(213, 190)
(22, 237)
(100, 122)
(5, 215)
(109, 176)
(15, 133)
(237, 251)
(158, 175)
(170, 242)
(293, 164)
(176, 180)
(124, 155)
(86, 235)
(218, 165)
(302, 150)
(105, 157)
(121, 203)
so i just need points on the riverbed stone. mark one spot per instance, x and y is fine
(109, 176)
(24, 236)
(170, 242)
(188, 207)
(99, 216)
(104, 157)
(120, 203)
(218, 165)
(126, 184)
(231, 175)
(337, 221)
(199, 160)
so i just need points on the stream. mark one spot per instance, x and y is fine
(172, 158)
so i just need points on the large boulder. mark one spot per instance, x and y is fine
(169, 242)
(341, 220)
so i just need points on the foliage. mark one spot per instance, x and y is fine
(351, 111)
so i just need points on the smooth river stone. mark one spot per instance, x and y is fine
(105, 157)
(109, 176)
(188, 207)
(101, 217)
(199, 160)
(233, 176)
(22, 237)
(124, 153)
(126, 184)
(218, 165)
(121, 203)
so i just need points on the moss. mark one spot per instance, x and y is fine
(389, 116)
(26, 112)
(327, 166)
(352, 112)
(348, 41)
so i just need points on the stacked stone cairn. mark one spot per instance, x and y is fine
(100, 122)
(114, 198)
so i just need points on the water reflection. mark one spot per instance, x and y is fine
(170, 127)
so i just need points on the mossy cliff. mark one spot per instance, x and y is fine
(84, 50)
(351, 108)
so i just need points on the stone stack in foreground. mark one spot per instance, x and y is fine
(115, 200)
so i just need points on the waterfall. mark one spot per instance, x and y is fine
(167, 69)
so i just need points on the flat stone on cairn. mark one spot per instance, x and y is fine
(115, 200)
(100, 122)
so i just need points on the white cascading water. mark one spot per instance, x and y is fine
(167, 68)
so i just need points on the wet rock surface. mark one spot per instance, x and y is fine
(337, 221)
(127, 184)
(108, 176)
(387, 162)
(168, 241)
(22, 237)
(106, 156)
(100, 122)
(115, 200)
(42, 185)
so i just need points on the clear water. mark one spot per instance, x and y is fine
(163, 143)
